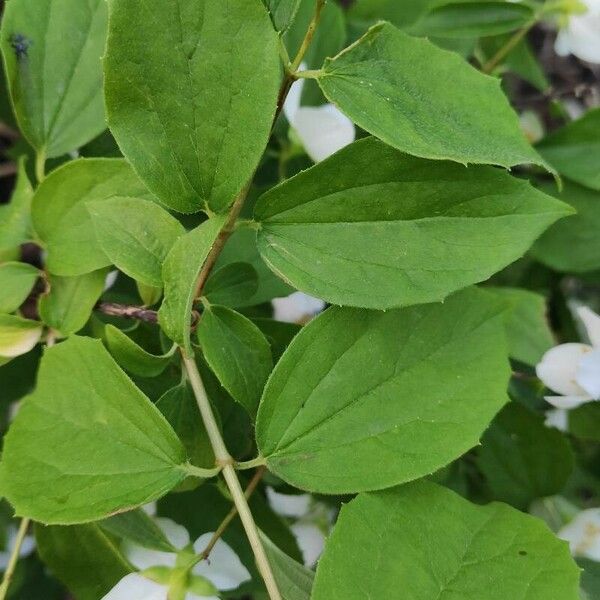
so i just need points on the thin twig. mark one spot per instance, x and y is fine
(127, 311)
(14, 557)
(230, 516)
(8, 168)
(295, 64)
(510, 45)
(219, 244)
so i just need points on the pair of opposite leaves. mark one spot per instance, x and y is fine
(337, 231)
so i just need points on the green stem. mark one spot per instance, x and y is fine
(40, 166)
(201, 473)
(310, 32)
(293, 67)
(259, 461)
(510, 45)
(219, 244)
(14, 558)
(224, 459)
(310, 74)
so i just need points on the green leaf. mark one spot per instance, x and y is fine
(521, 60)
(136, 235)
(401, 14)
(15, 217)
(16, 282)
(424, 100)
(527, 328)
(82, 557)
(590, 578)
(282, 12)
(68, 304)
(522, 459)
(149, 294)
(584, 422)
(241, 247)
(573, 244)
(466, 18)
(86, 432)
(364, 400)
(238, 353)
(373, 227)
(278, 334)
(18, 336)
(180, 408)
(52, 51)
(430, 543)
(232, 285)
(180, 273)
(293, 579)
(60, 214)
(139, 528)
(574, 150)
(191, 90)
(132, 357)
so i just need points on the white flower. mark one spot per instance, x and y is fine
(323, 130)
(532, 126)
(557, 418)
(573, 370)
(581, 35)
(583, 534)
(27, 547)
(110, 279)
(311, 541)
(289, 505)
(312, 518)
(296, 308)
(222, 571)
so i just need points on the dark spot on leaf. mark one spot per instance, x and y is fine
(20, 44)
(522, 552)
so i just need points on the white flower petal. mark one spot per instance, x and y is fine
(223, 568)
(583, 534)
(588, 373)
(311, 541)
(567, 402)
(144, 558)
(562, 44)
(323, 130)
(558, 368)
(557, 418)
(191, 596)
(176, 534)
(296, 307)
(150, 509)
(136, 587)
(294, 97)
(592, 324)
(289, 505)
(581, 36)
(110, 280)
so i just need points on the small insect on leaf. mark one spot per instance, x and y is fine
(20, 44)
